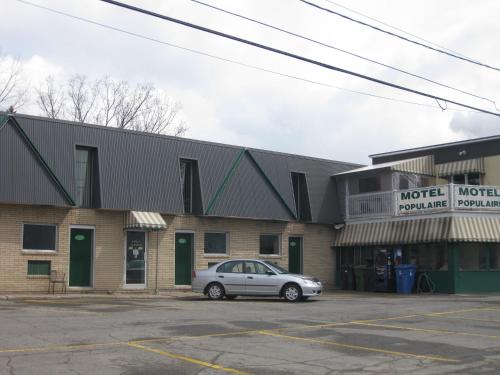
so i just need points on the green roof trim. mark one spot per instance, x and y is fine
(3, 120)
(224, 183)
(268, 180)
(40, 158)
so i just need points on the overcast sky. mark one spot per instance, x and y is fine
(227, 103)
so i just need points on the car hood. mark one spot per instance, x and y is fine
(303, 277)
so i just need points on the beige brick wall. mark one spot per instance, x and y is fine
(109, 245)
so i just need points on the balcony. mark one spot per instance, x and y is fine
(432, 199)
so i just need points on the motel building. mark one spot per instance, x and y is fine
(114, 210)
(436, 207)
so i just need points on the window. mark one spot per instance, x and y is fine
(231, 267)
(190, 183)
(269, 244)
(187, 184)
(465, 179)
(478, 257)
(256, 267)
(216, 243)
(301, 196)
(430, 256)
(38, 267)
(369, 184)
(86, 178)
(39, 237)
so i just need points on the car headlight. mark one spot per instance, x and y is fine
(309, 282)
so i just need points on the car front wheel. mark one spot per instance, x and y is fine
(292, 293)
(215, 291)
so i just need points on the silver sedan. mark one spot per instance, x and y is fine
(252, 277)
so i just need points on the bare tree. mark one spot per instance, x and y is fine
(50, 99)
(112, 103)
(158, 114)
(133, 101)
(110, 97)
(13, 90)
(82, 96)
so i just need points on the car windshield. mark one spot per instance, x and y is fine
(276, 267)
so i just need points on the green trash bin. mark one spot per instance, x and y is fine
(359, 274)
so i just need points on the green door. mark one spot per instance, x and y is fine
(80, 257)
(183, 258)
(295, 254)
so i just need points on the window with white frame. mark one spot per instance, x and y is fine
(40, 237)
(216, 243)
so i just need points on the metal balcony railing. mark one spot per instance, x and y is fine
(423, 200)
(370, 205)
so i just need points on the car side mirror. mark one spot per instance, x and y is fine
(270, 273)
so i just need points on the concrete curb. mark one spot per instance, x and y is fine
(84, 296)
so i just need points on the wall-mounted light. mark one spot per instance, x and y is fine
(338, 226)
(462, 153)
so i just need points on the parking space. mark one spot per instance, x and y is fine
(339, 332)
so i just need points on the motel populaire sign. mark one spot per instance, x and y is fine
(469, 197)
(437, 198)
(422, 200)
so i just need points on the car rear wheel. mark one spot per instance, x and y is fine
(215, 291)
(292, 292)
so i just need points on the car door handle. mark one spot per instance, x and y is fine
(220, 276)
(249, 277)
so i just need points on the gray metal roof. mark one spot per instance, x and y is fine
(140, 171)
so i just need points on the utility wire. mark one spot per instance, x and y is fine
(289, 54)
(400, 36)
(393, 27)
(344, 51)
(255, 67)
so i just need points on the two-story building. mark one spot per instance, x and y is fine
(117, 210)
(437, 207)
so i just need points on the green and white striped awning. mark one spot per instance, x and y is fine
(394, 232)
(423, 165)
(475, 229)
(460, 167)
(144, 221)
(428, 230)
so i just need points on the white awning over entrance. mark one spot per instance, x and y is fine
(144, 220)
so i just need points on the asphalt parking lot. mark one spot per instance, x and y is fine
(336, 333)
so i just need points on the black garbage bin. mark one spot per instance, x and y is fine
(369, 278)
(359, 273)
(348, 281)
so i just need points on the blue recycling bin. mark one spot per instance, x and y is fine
(405, 278)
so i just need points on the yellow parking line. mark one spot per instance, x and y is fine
(61, 347)
(363, 348)
(460, 311)
(41, 308)
(425, 314)
(428, 330)
(188, 359)
(471, 319)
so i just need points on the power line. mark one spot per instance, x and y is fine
(400, 36)
(393, 27)
(344, 51)
(291, 55)
(198, 52)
